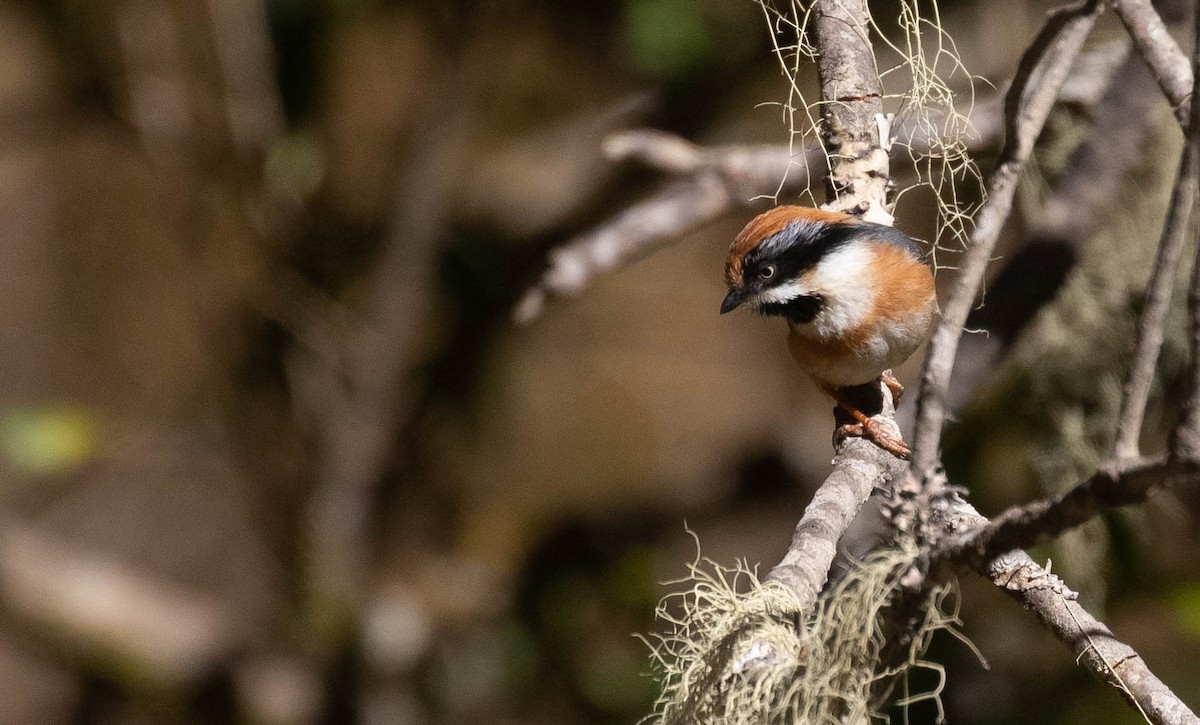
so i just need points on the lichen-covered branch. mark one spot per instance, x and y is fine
(1041, 74)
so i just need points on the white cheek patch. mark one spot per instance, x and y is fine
(840, 279)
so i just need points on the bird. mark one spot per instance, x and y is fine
(858, 298)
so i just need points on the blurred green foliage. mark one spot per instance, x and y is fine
(48, 440)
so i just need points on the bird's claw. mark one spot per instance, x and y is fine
(893, 385)
(871, 431)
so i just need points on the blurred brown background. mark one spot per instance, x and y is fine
(271, 450)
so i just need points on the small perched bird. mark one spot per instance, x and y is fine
(858, 298)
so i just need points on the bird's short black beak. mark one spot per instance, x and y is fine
(733, 300)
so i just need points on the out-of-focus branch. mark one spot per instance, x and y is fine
(1162, 53)
(356, 408)
(1041, 73)
(1158, 298)
(84, 603)
(1107, 658)
(723, 179)
(155, 84)
(1185, 440)
(253, 107)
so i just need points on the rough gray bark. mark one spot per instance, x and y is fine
(851, 101)
(859, 468)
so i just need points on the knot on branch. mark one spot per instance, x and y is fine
(1015, 572)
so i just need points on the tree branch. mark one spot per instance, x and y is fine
(851, 100)
(859, 467)
(858, 182)
(1023, 526)
(1086, 195)
(1185, 440)
(1095, 646)
(1040, 75)
(1158, 298)
(1162, 53)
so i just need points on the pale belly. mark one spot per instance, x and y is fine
(846, 361)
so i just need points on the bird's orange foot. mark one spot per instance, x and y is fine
(893, 385)
(872, 432)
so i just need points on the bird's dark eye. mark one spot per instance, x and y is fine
(766, 272)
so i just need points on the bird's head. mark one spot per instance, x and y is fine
(772, 261)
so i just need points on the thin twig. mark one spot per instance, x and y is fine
(1040, 75)
(1185, 441)
(1087, 194)
(1158, 296)
(1023, 526)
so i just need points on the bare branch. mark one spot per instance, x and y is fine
(1158, 298)
(724, 180)
(1086, 196)
(1040, 75)
(1162, 53)
(1185, 441)
(1095, 646)
(1024, 526)
(858, 468)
